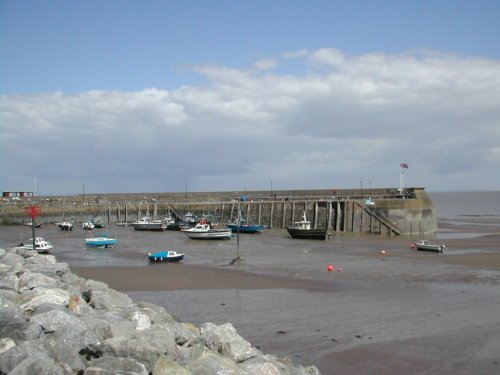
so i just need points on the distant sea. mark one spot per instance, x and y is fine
(484, 205)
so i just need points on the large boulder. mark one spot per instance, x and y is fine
(224, 339)
(119, 365)
(65, 327)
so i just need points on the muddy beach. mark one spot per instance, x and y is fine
(383, 308)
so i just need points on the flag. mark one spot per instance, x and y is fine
(403, 165)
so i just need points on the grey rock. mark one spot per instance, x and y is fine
(29, 280)
(12, 321)
(41, 296)
(108, 299)
(225, 340)
(65, 355)
(210, 364)
(39, 364)
(119, 365)
(165, 366)
(62, 326)
(157, 314)
(18, 353)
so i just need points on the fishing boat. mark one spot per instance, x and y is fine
(166, 256)
(65, 225)
(41, 245)
(243, 227)
(425, 245)
(101, 241)
(146, 223)
(302, 229)
(203, 231)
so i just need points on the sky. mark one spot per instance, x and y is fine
(183, 95)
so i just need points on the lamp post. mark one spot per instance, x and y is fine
(370, 183)
(271, 189)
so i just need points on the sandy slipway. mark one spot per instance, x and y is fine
(55, 322)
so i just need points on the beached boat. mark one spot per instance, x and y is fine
(424, 245)
(98, 222)
(302, 229)
(102, 241)
(41, 245)
(30, 224)
(166, 256)
(147, 224)
(88, 225)
(203, 231)
(243, 227)
(65, 225)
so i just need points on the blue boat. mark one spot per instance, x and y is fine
(102, 241)
(165, 256)
(243, 227)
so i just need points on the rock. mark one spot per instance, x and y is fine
(12, 321)
(210, 364)
(165, 366)
(29, 280)
(225, 340)
(40, 364)
(119, 365)
(44, 295)
(63, 326)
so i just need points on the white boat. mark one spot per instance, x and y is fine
(88, 225)
(65, 225)
(147, 224)
(41, 245)
(424, 245)
(203, 231)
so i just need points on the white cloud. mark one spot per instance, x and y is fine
(338, 122)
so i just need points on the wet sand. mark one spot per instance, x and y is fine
(391, 312)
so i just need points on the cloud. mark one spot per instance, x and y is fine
(337, 121)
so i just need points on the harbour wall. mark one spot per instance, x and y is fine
(385, 211)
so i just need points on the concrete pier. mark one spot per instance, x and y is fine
(377, 211)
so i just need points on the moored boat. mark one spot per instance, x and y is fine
(146, 223)
(88, 225)
(243, 227)
(166, 256)
(101, 241)
(41, 245)
(302, 229)
(203, 231)
(425, 245)
(65, 225)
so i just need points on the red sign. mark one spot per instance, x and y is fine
(33, 211)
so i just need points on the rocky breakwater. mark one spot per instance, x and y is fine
(55, 322)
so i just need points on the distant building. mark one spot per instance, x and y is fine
(17, 194)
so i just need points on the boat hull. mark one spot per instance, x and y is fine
(150, 226)
(309, 234)
(427, 246)
(165, 257)
(210, 235)
(245, 228)
(42, 246)
(435, 248)
(100, 242)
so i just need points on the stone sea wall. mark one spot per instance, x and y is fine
(55, 322)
